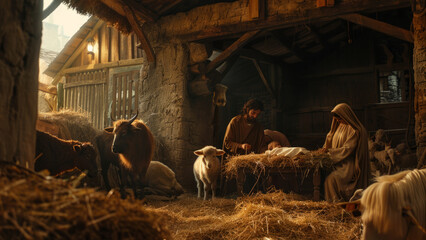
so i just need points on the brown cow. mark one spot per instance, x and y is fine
(59, 156)
(132, 147)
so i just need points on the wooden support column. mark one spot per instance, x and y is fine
(231, 50)
(257, 9)
(379, 26)
(139, 32)
(419, 66)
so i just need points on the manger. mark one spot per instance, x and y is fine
(303, 165)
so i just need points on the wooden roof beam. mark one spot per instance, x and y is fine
(118, 6)
(47, 88)
(299, 53)
(142, 11)
(277, 18)
(146, 46)
(379, 26)
(52, 7)
(114, 5)
(231, 50)
(169, 7)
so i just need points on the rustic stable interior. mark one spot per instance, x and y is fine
(300, 58)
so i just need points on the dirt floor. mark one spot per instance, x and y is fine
(263, 216)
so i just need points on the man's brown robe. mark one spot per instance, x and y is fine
(240, 131)
(347, 145)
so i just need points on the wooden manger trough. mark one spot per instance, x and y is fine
(287, 173)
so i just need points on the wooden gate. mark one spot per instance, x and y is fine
(125, 94)
(87, 92)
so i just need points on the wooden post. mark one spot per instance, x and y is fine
(419, 66)
(317, 183)
(60, 90)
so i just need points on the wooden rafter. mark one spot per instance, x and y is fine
(115, 5)
(287, 18)
(76, 53)
(47, 88)
(231, 50)
(264, 80)
(169, 7)
(139, 32)
(295, 50)
(53, 5)
(141, 10)
(118, 6)
(379, 26)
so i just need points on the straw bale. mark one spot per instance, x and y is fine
(73, 125)
(258, 163)
(36, 207)
(273, 215)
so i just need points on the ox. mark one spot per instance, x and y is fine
(130, 146)
(394, 207)
(161, 180)
(59, 156)
(207, 169)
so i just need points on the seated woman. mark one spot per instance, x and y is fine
(347, 145)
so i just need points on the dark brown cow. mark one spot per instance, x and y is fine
(130, 146)
(59, 156)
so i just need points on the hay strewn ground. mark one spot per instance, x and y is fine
(33, 207)
(263, 216)
(257, 163)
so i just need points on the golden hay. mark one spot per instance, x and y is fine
(274, 215)
(72, 125)
(35, 207)
(258, 163)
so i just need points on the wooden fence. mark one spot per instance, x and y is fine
(87, 91)
(125, 94)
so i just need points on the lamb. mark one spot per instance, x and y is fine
(207, 169)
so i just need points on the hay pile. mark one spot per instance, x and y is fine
(258, 163)
(274, 215)
(72, 125)
(33, 207)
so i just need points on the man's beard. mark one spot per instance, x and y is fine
(251, 120)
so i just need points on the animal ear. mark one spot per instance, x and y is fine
(77, 148)
(199, 153)
(109, 129)
(220, 152)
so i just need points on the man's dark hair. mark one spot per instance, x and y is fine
(254, 104)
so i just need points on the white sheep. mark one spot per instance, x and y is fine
(207, 169)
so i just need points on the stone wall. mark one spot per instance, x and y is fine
(20, 40)
(180, 123)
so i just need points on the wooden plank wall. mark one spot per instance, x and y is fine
(110, 46)
(124, 102)
(348, 75)
(86, 92)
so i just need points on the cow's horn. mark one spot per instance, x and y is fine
(134, 117)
